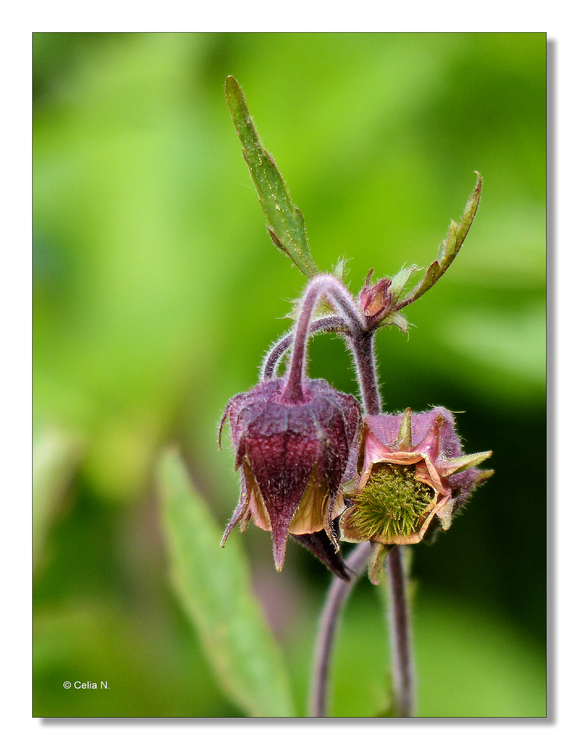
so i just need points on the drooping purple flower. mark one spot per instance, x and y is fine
(294, 456)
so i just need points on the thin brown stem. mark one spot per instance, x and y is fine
(363, 347)
(327, 324)
(361, 341)
(293, 390)
(337, 596)
(402, 665)
(340, 296)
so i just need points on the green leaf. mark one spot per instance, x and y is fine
(449, 248)
(215, 589)
(396, 319)
(340, 270)
(285, 222)
(399, 282)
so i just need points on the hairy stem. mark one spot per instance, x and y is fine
(337, 596)
(363, 347)
(340, 296)
(327, 324)
(361, 341)
(402, 668)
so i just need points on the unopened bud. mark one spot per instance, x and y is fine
(376, 300)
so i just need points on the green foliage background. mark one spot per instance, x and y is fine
(157, 290)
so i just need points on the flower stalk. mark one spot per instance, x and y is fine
(401, 640)
(337, 596)
(361, 343)
(323, 285)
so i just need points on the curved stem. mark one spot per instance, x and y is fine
(337, 596)
(328, 324)
(320, 285)
(293, 390)
(402, 668)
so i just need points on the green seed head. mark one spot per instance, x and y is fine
(392, 503)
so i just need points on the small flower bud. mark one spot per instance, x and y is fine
(376, 300)
(294, 455)
(413, 473)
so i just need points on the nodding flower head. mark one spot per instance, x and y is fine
(294, 456)
(414, 478)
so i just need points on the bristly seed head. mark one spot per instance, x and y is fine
(414, 477)
(392, 503)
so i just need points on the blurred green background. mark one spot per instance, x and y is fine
(157, 290)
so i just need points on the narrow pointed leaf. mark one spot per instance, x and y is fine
(214, 587)
(399, 282)
(449, 248)
(285, 221)
(340, 270)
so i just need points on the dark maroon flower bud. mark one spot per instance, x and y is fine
(413, 473)
(294, 456)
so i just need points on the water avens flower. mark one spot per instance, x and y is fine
(297, 440)
(414, 478)
(293, 454)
